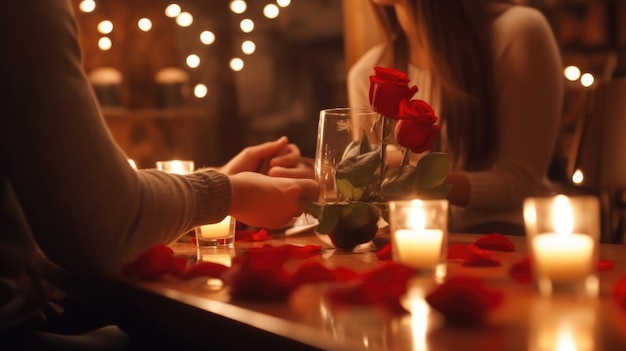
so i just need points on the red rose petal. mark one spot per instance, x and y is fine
(154, 263)
(464, 300)
(482, 262)
(384, 253)
(466, 252)
(205, 269)
(605, 265)
(495, 242)
(250, 235)
(521, 271)
(619, 292)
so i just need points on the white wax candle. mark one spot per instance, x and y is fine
(216, 231)
(563, 257)
(418, 248)
(176, 166)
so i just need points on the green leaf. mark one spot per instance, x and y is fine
(349, 191)
(359, 170)
(439, 192)
(355, 213)
(432, 169)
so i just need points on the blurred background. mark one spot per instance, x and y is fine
(200, 79)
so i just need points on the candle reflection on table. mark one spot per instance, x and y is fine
(563, 325)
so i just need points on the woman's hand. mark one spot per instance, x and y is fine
(276, 158)
(269, 202)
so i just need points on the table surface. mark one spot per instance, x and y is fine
(204, 312)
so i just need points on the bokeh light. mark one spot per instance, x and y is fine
(105, 44)
(271, 11)
(144, 24)
(236, 64)
(172, 10)
(87, 6)
(238, 6)
(184, 19)
(248, 47)
(105, 27)
(207, 37)
(246, 25)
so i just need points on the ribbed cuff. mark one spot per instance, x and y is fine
(213, 196)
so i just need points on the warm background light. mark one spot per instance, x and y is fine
(144, 24)
(572, 73)
(246, 25)
(248, 47)
(193, 61)
(207, 37)
(200, 91)
(185, 19)
(236, 64)
(578, 177)
(172, 10)
(87, 6)
(105, 44)
(271, 11)
(283, 3)
(238, 6)
(105, 27)
(587, 80)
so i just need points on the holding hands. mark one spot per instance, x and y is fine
(270, 202)
(276, 158)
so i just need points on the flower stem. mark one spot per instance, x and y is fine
(383, 155)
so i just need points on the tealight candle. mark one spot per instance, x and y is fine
(176, 166)
(217, 234)
(562, 234)
(418, 232)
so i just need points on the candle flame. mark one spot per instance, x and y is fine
(417, 220)
(562, 216)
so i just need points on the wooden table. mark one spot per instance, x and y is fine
(205, 315)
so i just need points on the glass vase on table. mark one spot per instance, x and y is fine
(360, 167)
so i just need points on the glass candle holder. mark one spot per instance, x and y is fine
(419, 234)
(220, 234)
(176, 166)
(563, 234)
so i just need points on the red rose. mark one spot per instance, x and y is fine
(416, 127)
(387, 88)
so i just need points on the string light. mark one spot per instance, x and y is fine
(87, 6)
(248, 47)
(236, 64)
(238, 6)
(193, 61)
(200, 91)
(271, 11)
(172, 10)
(184, 19)
(587, 80)
(283, 3)
(246, 25)
(105, 44)
(207, 37)
(572, 73)
(105, 27)
(144, 24)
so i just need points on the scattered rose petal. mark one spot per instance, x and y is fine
(466, 252)
(464, 300)
(605, 265)
(384, 253)
(521, 271)
(619, 292)
(381, 287)
(495, 242)
(154, 263)
(250, 235)
(204, 269)
(482, 262)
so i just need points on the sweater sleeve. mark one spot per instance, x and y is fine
(530, 86)
(86, 208)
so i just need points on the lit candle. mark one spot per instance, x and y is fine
(563, 256)
(176, 166)
(418, 247)
(216, 231)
